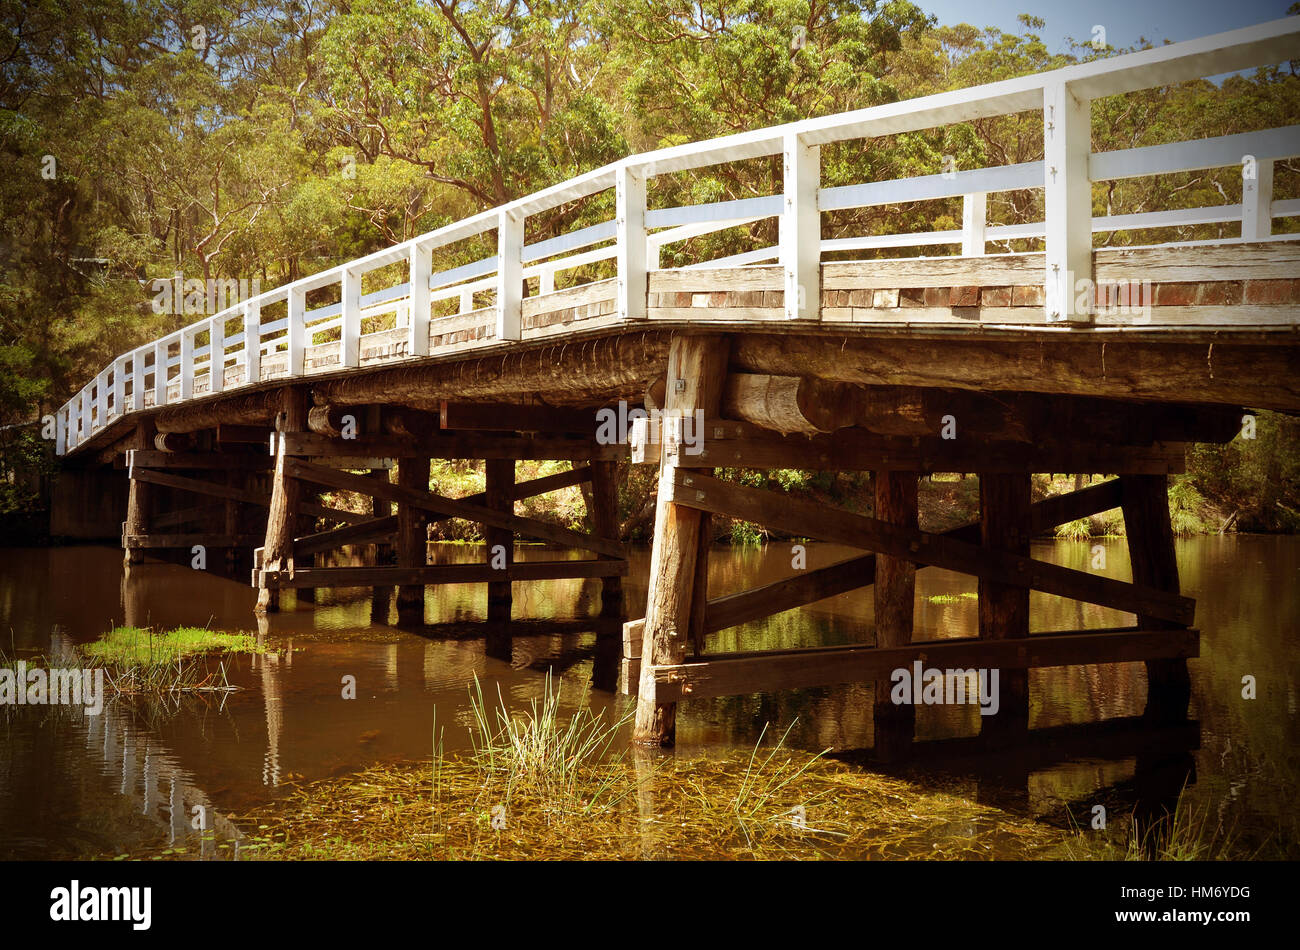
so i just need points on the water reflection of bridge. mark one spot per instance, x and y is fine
(151, 774)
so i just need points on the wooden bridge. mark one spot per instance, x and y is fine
(811, 353)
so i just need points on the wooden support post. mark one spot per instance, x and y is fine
(499, 484)
(412, 538)
(381, 597)
(1005, 525)
(139, 501)
(696, 372)
(307, 561)
(282, 519)
(230, 518)
(609, 632)
(895, 600)
(1151, 551)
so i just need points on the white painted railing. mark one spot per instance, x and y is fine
(636, 235)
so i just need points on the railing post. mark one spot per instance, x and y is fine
(137, 379)
(297, 332)
(187, 363)
(629, 217)
(801, 230)
(87, 415)
(217, 354)
(101, 399)
(350, 319)
(252, 342)
(546, 281)
(1067, 145)
(1257, 202)
(160, 374)
(421, 270)
(466, 301)
(974, 219)
(510, 274)
(119, 386)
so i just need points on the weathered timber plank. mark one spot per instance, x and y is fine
(856, 450)
(809, 519)
(716, 280)
(1256, 261)
(1082, 363)
(450, 507)
(567, 298)
(207, 539)
(441, 574)
(757, 673)
(242, 435)
(184, 515)
(515, 417)
(143, 458)
(460, 446)
(359, 533)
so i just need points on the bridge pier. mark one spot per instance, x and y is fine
(1150, 537)
(412, 538)
(139, 498)
(499, 482)
(895, 609)
(665, 659)
(696, 370)
(282, 519)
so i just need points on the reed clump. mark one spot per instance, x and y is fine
(141, 660)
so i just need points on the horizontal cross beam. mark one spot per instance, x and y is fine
(828, 666)
(808, 519)
(438, 574)
(449, 507)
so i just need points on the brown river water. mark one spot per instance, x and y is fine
(73, 785)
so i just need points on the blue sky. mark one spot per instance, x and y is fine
(1125, 20)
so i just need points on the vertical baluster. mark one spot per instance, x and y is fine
(421, 269)
(187, 363)
(630, 200)
(1067, 145)
(252, 341)
(801, 230)
(974, 219)
(61, 430)
(217, 353)
(87, 415)
(510, 274)
(1257, 202)
(297, 331)
(350, 345)
(137, 379)
(160, 373)
(119, 386)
